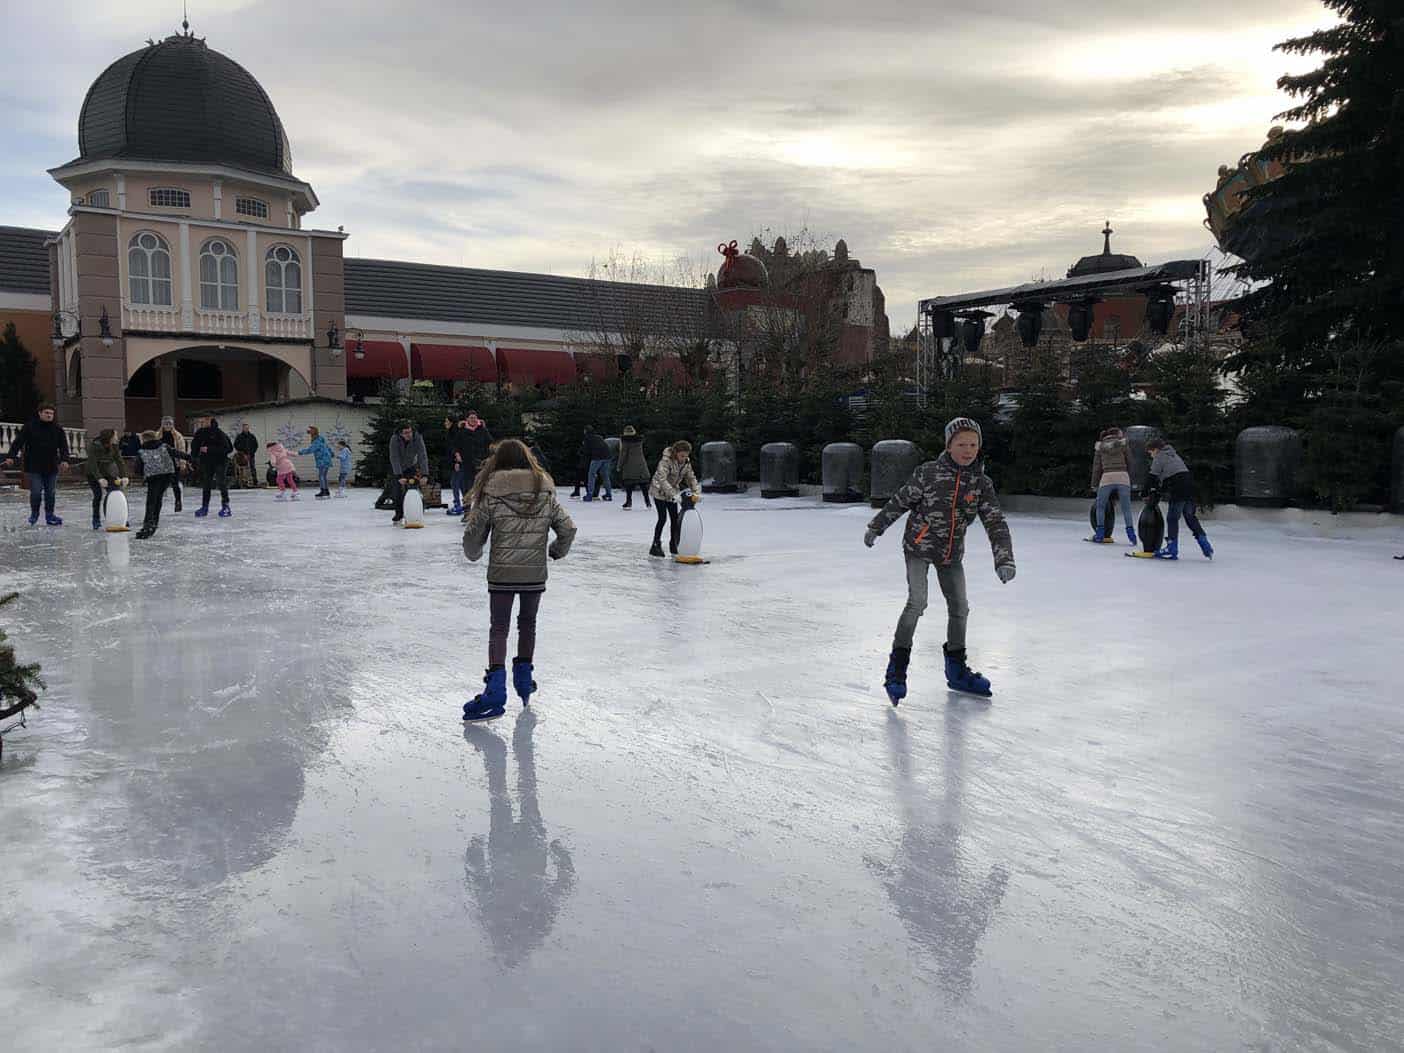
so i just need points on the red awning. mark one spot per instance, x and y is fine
(599, 368)
(532, 368)
(450, 362)
(383, 360)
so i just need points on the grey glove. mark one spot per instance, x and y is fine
(870, 537)
(1005, 572)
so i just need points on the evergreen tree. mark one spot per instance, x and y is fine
(1187, 405)
(18, 395)
(18, 681)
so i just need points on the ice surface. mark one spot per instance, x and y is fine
(248, 817)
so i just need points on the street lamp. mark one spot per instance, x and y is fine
(105, 328)
(359, 351)
(333, 339)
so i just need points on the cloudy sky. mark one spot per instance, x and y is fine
(954, 148)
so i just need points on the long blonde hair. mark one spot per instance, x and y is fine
(505, 456)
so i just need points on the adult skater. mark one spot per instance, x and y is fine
(633, 467)
(45, 449)
(212, 448)
(469, 448)
(246, 442)
(158, 460)
(1111, 477)
(673, 476)
(105, 469)
(1172, 477)
(943, 497)
(601, 460)
(409, 462)
(322, 456)
(513, 503)
(177, 442)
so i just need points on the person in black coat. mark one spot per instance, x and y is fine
(468, 449)
(45, 449)
(211, 448)
(601, 460)
(246, 442)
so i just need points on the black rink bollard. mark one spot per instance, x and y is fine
(894, 460)
(1138, 459)
(779, 469)
(1396, 475)
(718, 468)
(1266, 460)
(843, 472)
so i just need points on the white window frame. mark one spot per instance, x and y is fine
(100, 198)
(220, 293)
(253, 207)
(143, 288)
(279, 293)
(178, 197)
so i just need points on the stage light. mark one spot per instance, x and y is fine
(1160, 308)
(942, 325)
(1029, 323)
(1080, 319)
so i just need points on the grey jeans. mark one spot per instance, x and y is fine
(952, 581)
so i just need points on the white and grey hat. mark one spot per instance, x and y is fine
(964, 424)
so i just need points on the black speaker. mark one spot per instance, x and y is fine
(1030, 326)
(942, 324)
(1159, 311)
(1080, 320)
(625, 362)
(971, 332)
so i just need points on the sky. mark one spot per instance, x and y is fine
(955, 147)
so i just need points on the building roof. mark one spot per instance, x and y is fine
(178, 100)
(1106, 262)
(24, 261)
(395, 289)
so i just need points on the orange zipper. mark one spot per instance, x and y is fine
(955, 507)
(921, 533)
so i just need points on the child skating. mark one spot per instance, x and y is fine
(281, 461)
(1171, 476)
(158, 464)
(513, 503)
(943, 497)
(343, 465)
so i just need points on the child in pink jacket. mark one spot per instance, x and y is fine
(281, 461)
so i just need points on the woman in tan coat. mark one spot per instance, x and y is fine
(514, 506)
(1111, 477)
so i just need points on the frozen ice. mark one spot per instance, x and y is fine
(248, 816)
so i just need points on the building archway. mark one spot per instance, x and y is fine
(187, 380)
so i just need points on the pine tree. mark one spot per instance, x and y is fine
(17, 681)
(1333, 255)
(18, 396)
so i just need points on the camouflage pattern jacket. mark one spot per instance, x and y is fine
(943, 499)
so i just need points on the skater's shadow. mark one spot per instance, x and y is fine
(518, 878)
(945, 900)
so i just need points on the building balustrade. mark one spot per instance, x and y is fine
(149, 319)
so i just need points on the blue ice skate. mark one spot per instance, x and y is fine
(1131, 534)
(1204, 546)
(1170, 551)
(522, 682)
(97, 522)
(225, 511)
(493, 701)
(896, 679)
(52, 520)
(960, 677)
(202, 511)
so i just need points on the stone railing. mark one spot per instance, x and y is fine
(298, 326)
(77, 439)
(222, 323)
(151, 319)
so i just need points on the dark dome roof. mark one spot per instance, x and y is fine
(1105, 262)
(178, 100)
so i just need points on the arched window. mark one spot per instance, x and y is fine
(282, 279)
(219, 277)
(99, 199)
(149, 270)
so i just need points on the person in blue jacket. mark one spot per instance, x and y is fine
(321, 453)
(343, 462)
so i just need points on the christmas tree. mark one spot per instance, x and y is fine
(17, 681)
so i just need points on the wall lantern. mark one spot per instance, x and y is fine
(105, 328)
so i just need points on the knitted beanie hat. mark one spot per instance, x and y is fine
(964, 424)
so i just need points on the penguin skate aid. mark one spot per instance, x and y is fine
(941, 499)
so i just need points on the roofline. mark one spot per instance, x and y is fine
(80, 167)
(594, 282)
(1067, 288)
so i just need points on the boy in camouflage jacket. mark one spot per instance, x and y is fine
(943, 497)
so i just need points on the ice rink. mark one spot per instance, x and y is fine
(248, 816)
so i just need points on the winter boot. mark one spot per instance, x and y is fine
(53, 520)
(1170, 551)
(628, 501)
(293, 496)
(145, 532)
(33, 518)
(1131, 534)
(522, 682)
(97, 522)
(1099, 535)
(656, 550)
(896, 679)
(281, 496)
(225, 511)
(960, 677)
(493, 701)
(1204, 545)
(177, 506)
(202, 511)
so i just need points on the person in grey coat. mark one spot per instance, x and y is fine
(409, 463)
(513, 504)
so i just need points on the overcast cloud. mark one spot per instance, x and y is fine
(953, 149)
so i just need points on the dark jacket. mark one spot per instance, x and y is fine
(471, 444)
(159, 458)
(215, 440)
(633, 465)
(407, 458)
(943, 499)
(44, 444)
(518, 518)
(246, 442)
(131, 444)
(595, 448)
(104, 462)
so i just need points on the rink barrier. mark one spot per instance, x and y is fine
(843, 472)
(718, 460)
(1266, 462)
(893, 461)
(779, 469)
